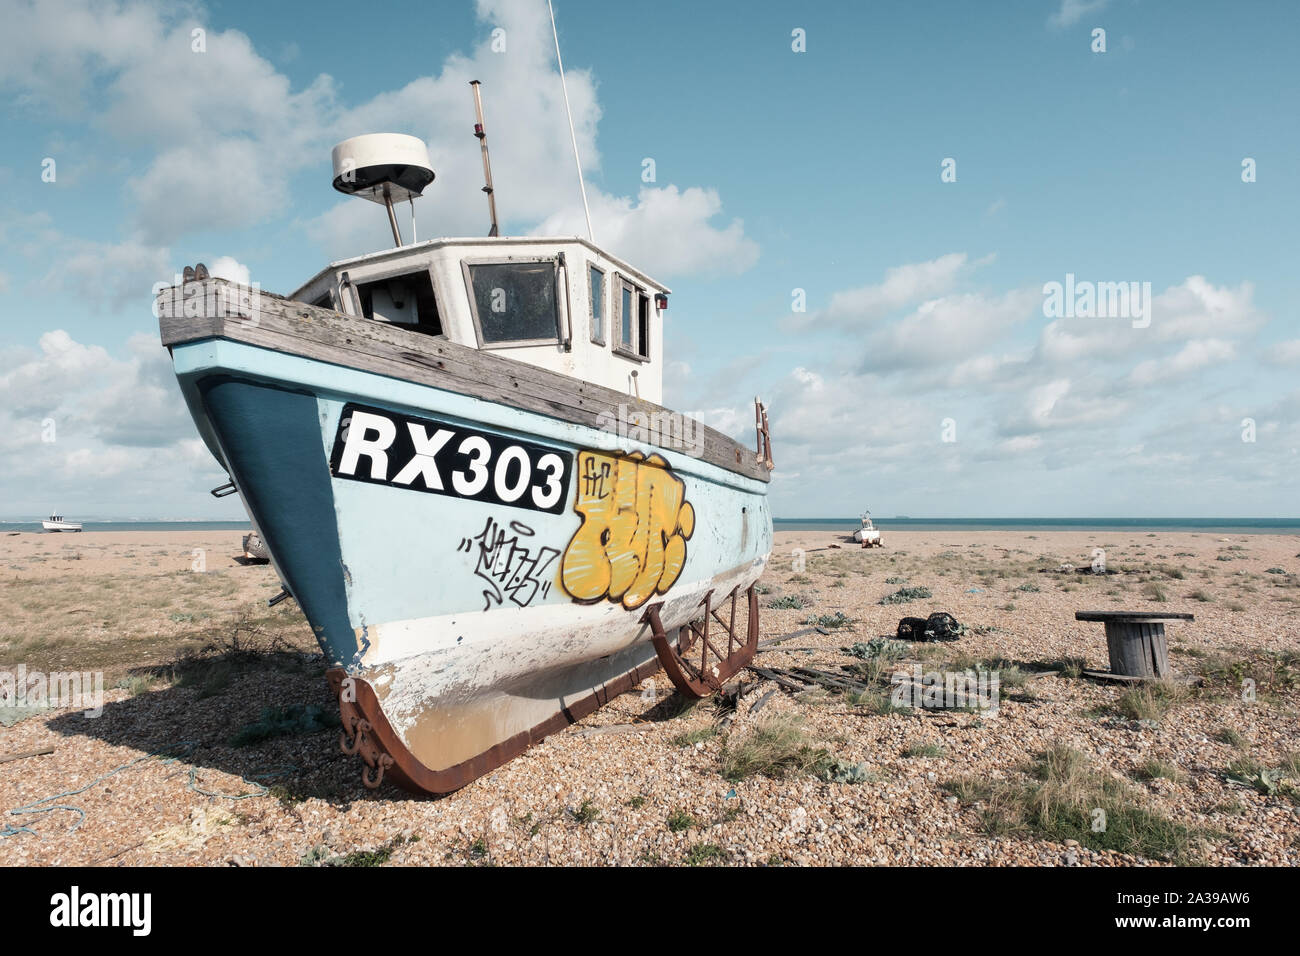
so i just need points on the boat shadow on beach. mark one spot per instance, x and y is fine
(266, 717)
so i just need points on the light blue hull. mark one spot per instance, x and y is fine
(478, 602)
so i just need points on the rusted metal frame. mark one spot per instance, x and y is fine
(674, 663)
(730, 628)
(704, 638)
(682, 671)
(706, 645)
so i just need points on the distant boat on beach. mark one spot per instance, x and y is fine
(59, 523)
(868, 534)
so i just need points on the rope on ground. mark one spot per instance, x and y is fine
(173, 754)
(261, 791)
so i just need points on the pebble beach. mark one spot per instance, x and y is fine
(191, 657)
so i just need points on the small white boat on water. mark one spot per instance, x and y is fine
(59, 523)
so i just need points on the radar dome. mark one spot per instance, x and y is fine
(367, 166)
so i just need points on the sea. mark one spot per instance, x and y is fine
(1204, 525)
(10, 526)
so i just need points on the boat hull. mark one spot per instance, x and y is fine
(60, 526)
(477, 574)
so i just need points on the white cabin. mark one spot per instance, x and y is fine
(561, 304)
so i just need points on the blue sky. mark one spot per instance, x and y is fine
(776, 170)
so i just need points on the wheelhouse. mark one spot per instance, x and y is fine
(562, 304)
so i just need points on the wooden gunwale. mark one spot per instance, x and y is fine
(295, 328)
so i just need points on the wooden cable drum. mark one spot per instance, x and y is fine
(1135, 640)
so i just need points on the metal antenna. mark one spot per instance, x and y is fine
(392, 217)
(572, 135)
(487, 163)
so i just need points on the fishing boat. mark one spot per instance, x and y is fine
(60, 523)
(254, 550)
(868, 534)
(455, 456)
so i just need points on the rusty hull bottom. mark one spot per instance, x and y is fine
(368, 734)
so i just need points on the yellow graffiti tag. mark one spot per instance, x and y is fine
(635, 522)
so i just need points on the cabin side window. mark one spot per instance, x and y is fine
(643, 325)
(632, 318)
(514, 302)
(406, 300)
(596, 291)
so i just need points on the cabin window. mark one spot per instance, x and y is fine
(406, 300)
(632, 320)
(643, 325)
(326, 301)
(596, 289)
(514, 303)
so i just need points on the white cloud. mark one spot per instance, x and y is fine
(1195, 355)
(1064, 404)
(665, 231)
(902, 286)
(532, 163)
(986, 369)
(1284, 353)
(227, 267)
(110, 418)
(37, 384)
(1071, 12)
(1043, 399)
(227, 128)
(114, 272)
(1020, 443)
(224, 185)
(89, 393)
(52, 53)
(231, 134)
(947, 329)
(1193, 309)
(1074, 339)
(1196, 308)
(97, 273)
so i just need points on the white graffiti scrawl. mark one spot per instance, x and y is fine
(508, 564)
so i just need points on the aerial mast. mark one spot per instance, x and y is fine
(481, 133)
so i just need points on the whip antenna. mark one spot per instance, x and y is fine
(572, 135)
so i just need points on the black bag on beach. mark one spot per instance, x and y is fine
(912, 629)
(940, 626)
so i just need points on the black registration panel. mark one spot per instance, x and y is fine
(389, 448)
